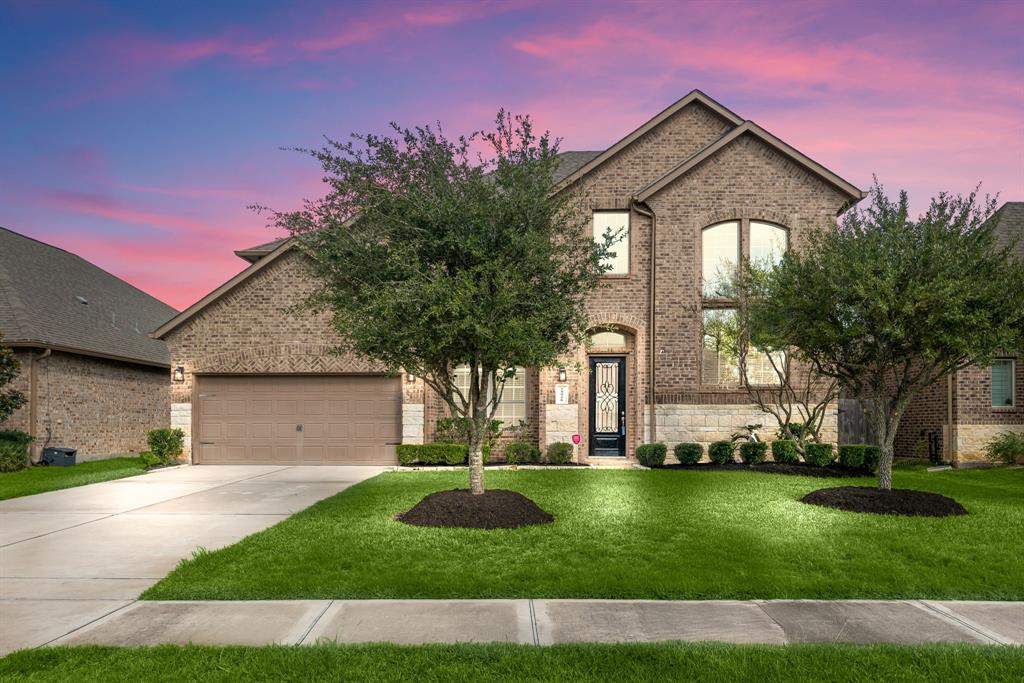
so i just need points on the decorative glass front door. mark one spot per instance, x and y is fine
(608, 405)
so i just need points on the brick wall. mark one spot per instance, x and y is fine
(977, 422)
(98, 406)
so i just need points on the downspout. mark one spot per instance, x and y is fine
(33, 381)
(645, 210)
(950, 436)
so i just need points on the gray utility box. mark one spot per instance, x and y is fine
(58, 457)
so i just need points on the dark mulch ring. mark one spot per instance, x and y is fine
(895, 502)
(494, 509)
(500, 464)
(798, 468)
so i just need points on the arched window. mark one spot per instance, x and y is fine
(768, 243)
(607, 340)
(720, 254)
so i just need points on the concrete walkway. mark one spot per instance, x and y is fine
(546, 622)
(70, 557)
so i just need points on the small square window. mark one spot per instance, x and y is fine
(1002, 383)
(616, 225)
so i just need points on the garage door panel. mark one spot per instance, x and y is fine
(349, 419)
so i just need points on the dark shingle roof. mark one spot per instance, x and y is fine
(567, 163)
(50, 297)
(1009, 222)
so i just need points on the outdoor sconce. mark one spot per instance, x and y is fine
(179, 374)
(562, 376)
(409, 377)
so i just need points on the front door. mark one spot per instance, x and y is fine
(608, 405)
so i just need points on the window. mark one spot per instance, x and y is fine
(607, 340)
(720, 253)
(720, 352)
(1002, 383)
(764, 368)
(767, 243)
(614, 224)
(512, 408)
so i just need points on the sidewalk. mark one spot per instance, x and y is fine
(546, 622)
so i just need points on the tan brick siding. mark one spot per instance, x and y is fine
(98, 406)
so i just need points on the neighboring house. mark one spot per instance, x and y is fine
(696, 188)
(955, 418)
(94, 378)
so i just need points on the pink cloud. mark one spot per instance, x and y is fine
(107, 207)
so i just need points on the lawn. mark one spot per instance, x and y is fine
(41, 479)
(630, 534)
(633, 662)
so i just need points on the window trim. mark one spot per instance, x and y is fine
(739, 257)
(629, 240)
(1013, 384)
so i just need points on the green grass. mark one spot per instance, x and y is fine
(40, 479)
(495, 662)
(631, 534)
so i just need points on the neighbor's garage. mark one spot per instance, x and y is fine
(297, 420)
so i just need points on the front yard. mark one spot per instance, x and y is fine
(41, 479)
(630, 534)
(495, 662)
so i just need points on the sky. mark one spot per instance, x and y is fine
(136, 134)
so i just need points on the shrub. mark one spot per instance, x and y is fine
(450, 430)
(149, 459)
(1007, 447)
(559, 453)
(166, 444)
(753, 452)
(688, 453)
(518, 452)
(819, 454)
(851, 455)
(432, 454)
(14, 453)
(872, 454)
(784, 451)
(651, 454)
(720, 452)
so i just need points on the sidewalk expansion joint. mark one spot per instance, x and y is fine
(313, 624)
(534, 629)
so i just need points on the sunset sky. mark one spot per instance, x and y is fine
(136, 134)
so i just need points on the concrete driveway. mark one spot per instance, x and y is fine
(70, 557)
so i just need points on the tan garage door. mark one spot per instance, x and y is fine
(320, 420)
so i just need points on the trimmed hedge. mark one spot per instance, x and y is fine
(14, 453)
(861, 456)
(754, 452)
(784, 451)
(819, 454)
(518, 452)
(651, 454)
(720, 452)
(432, 454)
(559, 453)
(688, 453)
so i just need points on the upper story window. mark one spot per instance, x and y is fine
(768, 243)
(512, 408)
(1002, 383)
(615, 224)
(720, 254)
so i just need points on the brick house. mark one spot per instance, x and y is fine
(954, 418)
(695, 189)
(93, 377)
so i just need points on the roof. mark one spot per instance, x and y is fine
(1009, 222)
(52, 298)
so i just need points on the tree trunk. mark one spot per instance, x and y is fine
(476, 467)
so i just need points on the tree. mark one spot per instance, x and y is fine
(10, 399)
(887, 305)
(429, 258)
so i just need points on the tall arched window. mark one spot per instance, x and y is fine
(720, 254)
(768, 243)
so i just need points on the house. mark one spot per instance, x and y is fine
(94, 378)
(954, 418)
(695, 188)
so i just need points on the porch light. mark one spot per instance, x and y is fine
(409, 377)
(179, 374)
(562, 376)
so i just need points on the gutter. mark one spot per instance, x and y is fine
(645, 210)
(33, 404)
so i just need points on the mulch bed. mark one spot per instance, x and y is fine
(895, 502)
(798, 468)
(494, 509)
(500, 464)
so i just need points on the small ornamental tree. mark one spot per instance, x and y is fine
(10, 399)
(430, 257)
(888, 304)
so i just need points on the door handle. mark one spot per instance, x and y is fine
(298, 428)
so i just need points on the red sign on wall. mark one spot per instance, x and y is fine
(576, 439)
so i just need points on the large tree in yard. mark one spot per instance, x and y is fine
(10, 399)
(888, 304)
(433, 253)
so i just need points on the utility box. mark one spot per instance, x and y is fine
(58, 457)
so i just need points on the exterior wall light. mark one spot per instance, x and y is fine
(562, 376)
(179, 374)
(409, 377)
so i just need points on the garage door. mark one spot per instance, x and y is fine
(319, 420)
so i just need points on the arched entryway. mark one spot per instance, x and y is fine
(610, 393)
